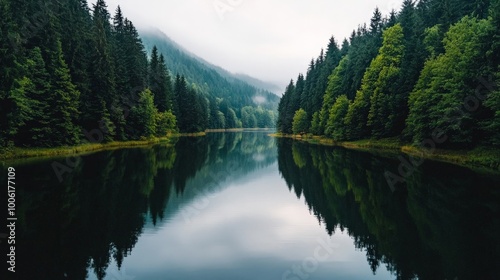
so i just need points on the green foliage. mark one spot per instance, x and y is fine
(333, 90)
(433, 41)
(335, 127)
(143, 117)
(248, 118)
(20, 105)
(384, 103)
(492, 124)
(63, 101)
(315, 124)
(165, 123)
(290, 100)
(192, 109)
(160, 81)
(300, 122)
(447, 80)
(259, 117)
(419, 72)
(212, 81)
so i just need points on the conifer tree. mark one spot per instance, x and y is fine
(97, 104)
(63, 101)
(37, 131)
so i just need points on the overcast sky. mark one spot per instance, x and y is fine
(272, 40)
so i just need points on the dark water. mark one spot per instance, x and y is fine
(247, 206)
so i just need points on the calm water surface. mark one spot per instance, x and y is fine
(247, 206)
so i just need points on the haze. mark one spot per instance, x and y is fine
(269, 40)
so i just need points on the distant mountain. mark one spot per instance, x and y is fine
(258, 83)
(239, 90)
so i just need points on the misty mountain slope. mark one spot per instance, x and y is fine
(208, 78)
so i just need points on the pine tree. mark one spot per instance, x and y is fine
(376, 22)
(37, 131)
(285, 106)
(10, 68)
(77, 41)
(159, 81)
(63, 100)
(101, 99)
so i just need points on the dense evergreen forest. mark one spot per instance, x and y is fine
(71, 74)
(427, 72)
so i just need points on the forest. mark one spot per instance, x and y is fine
(72, 74)
(427, 72)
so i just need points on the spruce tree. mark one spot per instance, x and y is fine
(99, 102)
(63, 99)
(37, 131)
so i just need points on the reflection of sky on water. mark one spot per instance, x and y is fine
(253, 229)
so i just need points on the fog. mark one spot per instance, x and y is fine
(269, 40)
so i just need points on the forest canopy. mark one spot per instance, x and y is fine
(72, 74)
(432, 68)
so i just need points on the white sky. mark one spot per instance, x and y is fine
(272, 40)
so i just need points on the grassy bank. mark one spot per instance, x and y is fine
(18, 152)
(193, 134)
(239, 129)
(483, 157)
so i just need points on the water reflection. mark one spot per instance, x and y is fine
(96, 215)
(217, 208)
(444, 223)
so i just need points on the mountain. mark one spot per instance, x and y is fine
(258, 83)
(237, 89)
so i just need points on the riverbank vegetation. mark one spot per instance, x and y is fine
(477, 157)
(424, 76)
(14, 153)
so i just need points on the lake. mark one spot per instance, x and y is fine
(244, 205)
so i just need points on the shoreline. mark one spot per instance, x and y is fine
(19, 153)
(479, 157)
